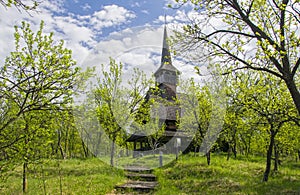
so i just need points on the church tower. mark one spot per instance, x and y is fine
(166, 76)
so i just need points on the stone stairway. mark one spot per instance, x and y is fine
(140, 181)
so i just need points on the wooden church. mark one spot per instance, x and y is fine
(166, 78)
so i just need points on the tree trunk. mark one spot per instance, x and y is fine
(112, 152)
(85, 150)
(71, 143)
(99, 135)
(228, 152)
(66, 148)
(25, 163)
(24, 177)
(208, 157)
(127, 149)
(269, 156)
(290, 83)
(276, 160)
(234, 149)
(195, 150)
(62, 153)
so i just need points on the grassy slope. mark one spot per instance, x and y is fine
(191, 175)
(90, 176)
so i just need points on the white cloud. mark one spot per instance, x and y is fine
(78, 31)
(111, 15)
(178, 4)
(86, 7)
(163, 19)
(138, 47)
(145, 11)
(136, 4)
(133, 47)
(51, 6)
(180, 17)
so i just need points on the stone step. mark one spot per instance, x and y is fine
(138, 169)
(137, 186)
(141, 176)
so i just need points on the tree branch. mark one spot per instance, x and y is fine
(296, 67)
(231, 32)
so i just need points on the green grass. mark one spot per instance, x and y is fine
(191, 175)
(150, 161)
(74, 176)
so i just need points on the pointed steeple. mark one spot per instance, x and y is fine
(166, 74)
(166, 60)
(166, 55)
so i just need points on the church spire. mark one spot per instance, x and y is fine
(166, 74)
(166, 61)
(166, 56)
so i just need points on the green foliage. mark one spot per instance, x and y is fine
(67, 140)
(257, 35)
(39, 75)
(106, 95)
(37, 82)
(258, 115)
(20, 4)
(118, 103)
(257, 104)
(196, 103)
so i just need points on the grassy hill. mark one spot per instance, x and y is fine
(72, 176)
(189, 175)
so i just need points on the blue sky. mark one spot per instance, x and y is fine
(95, 30)
(145, 11)
(142, 12)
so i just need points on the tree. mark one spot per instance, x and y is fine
(150, 118)
(240, 124)
(256, 93)
(118, 104)
(36, 81)
(257, 35)
(66, 142)
(231, 132)
(197, 105)
(20, 4)
(87, 124)
(39, 76)
(37, 129)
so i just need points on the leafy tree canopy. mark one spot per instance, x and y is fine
(258, 35)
